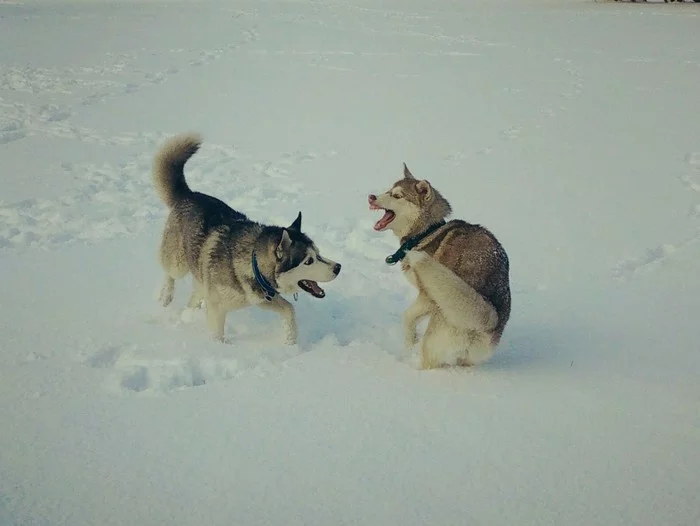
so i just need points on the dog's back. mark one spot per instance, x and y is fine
(474, 254)
(489, 270)
(193, 215)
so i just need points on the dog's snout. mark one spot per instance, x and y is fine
(372, 197)
(336, 269)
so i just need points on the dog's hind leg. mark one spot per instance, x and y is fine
(461, 305)
(167, 291)
(418, 310)
(173, 271)
(195, 301)
(216, 320)
(479, 350)
(445, 345)
(429, 360)
(286, 310)
(442, 343)
(172, 260)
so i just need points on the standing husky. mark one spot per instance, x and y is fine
(234, 261)
(460, 271)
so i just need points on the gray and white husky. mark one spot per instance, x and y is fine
(234, 262)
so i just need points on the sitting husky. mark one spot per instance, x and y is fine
(234, 261)
(460, 271)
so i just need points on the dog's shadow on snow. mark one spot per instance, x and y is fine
(340, 320)
(526, 347)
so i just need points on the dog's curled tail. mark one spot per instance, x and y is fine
(169, 167)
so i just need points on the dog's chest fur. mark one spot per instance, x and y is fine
(409, 273)
(430, 246)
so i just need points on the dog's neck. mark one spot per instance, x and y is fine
(419, 227)
(269, 289)
(411, 242)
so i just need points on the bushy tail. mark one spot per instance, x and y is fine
(169, 167)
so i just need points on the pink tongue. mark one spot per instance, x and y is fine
(384, 221)
(314, 286)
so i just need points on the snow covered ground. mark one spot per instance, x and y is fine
(569, 128)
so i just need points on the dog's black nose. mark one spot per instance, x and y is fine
(336, 269)
(372, 197)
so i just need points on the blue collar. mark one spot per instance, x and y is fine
(267, 287)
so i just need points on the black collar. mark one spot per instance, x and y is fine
(267, 287)
(411, 242)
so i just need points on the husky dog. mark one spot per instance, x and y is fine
(460, 270)
(234, 262)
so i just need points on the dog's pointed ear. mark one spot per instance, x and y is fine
(283, 246)
(297, 224)
(407, 173)
(425, 190)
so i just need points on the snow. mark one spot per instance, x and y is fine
(569, 128)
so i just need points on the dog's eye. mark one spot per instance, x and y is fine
(309, 261)
(397, 196)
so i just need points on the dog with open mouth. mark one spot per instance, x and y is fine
(460, 269)
(234, 262)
